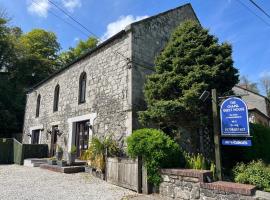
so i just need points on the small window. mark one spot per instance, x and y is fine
(82, 88)
(38, 106)
(56, 98)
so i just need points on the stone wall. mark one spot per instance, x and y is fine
(107, 95)
(196, 184)
(149, 38)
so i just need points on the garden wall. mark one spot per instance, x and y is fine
(196, 184)
(12, 151)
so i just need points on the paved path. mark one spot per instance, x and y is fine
(27, 183)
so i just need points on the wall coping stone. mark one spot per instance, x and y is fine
(230, 187)
(200, 174)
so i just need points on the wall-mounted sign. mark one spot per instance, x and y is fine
(236, 142)
(234, 117)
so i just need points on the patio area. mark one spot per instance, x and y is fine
(20, 182)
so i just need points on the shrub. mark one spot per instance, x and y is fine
(256, 173)
(95, 154)
(260, 148)
(156, 149)
(196, 161)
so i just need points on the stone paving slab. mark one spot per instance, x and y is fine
(24, 183)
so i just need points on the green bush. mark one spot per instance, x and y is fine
(156, 149)
(260, 148)
(196, 161)
(256, 173)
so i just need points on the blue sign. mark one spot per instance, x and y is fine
(234, 117)
(236, 142)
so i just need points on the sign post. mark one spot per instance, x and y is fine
(234, 122)
(216, 134)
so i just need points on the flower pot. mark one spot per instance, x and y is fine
(71, 158)
(51, 162)
(59, 155)
(61, 163)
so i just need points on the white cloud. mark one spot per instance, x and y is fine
(120, 24)
(39, 7)
(70, 5)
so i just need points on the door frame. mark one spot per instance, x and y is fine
(72, 127)
(31, 129)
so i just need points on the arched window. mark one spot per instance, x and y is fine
(38, 105)
(56, 98)
(82, 88)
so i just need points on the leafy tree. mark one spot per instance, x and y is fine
(192, 61)
(26, 59)
(246, 83)
(81, 48)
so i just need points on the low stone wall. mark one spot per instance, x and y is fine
(197, 184)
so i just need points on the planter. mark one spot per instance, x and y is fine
(71, 158)
(52, 162)
(89, 169)
(61, 163)
(59, 155)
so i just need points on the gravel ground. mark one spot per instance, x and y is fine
(19, 182)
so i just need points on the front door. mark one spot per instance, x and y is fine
(81, 137)
(35, 136)
(53, 141)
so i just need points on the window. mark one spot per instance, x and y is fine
(38, 105)
(82, 88)
(56, 98)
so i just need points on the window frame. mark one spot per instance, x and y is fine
(38, 106)
(82, 88)
(56, 98)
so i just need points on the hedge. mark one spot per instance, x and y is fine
(260, 148)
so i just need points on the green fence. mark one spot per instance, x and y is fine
(12, 151)
(6, 150)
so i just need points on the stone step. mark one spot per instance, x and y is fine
(34, 162)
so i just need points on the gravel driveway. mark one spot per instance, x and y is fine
(19, 182)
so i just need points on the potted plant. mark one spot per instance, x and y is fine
(52, 161)
(61, 163)
(72, 155)
(59, 152)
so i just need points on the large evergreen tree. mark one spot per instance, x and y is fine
(192, 61)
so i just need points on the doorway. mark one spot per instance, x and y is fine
(53, 140)
(35, 136)
(81, 137)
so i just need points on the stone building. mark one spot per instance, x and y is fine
(100, 92)
(258, 105)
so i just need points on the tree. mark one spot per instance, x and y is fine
(265, 81)
(247, 84)
(26, 59)
(81, 48)
(192, 61)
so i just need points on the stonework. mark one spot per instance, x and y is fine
(115, 71)
(185, 184)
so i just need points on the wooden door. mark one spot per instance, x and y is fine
(53, 141)
(82, 137)
(35, 136)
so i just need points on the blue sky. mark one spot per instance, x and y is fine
(227, 19)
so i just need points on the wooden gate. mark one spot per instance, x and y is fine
(124, 172)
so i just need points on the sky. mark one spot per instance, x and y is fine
(244, 27)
